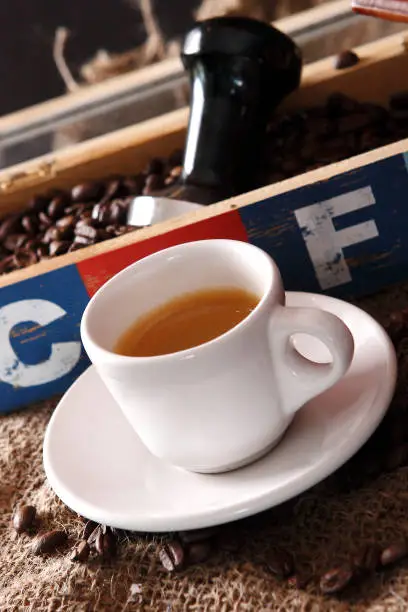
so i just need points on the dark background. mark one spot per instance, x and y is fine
(27, 28)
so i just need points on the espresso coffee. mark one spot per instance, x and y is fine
(186, 321)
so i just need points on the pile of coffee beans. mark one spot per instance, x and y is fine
(343, 127)
(63, 221)
(93, 211)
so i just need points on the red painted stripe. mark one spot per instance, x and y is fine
(95, 271)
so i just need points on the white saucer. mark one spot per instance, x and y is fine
(98, 467)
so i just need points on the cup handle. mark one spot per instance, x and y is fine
(298, 379)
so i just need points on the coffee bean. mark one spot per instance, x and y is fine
(14, 241)
(24, 258)
(11, 225)
(112, 190)
(48, 542)
(23, 518)
(94, 534)
(198, 552)
(86, 230)
(117, 212)
(394, 553)
(155, 166)
(44, 220)
(133, 185)
(65, 226)
(84, 192)
(172, 556)
(336, 580)
(89, 528)
(65, 222)
(105, 544)
(56, 207)
(368, 558)
(280, 563)
(58, 247)
(346, 59)
(52, 233)
(154, 182)
(176, 172)
(38, 203)
(29, 224)
(101, 213)
(80, 552)
(75, 246)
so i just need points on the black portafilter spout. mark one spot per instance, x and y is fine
(240, 70)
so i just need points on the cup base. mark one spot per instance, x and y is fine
(230, 467)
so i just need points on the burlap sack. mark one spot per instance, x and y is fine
(321, 528)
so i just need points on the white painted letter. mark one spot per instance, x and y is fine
(64, 356)
(325, 244)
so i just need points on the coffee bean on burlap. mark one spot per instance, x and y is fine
(49, 542)
(172, 556)
(280, 563)
(105, 544)
(367, 559)
(336, 579)
(89, 528)
(23, 518)
(394, 553)
(345, 59)
(80, 552)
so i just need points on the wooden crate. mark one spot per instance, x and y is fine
(338, 229)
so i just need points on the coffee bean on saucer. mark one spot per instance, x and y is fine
(394, 553)
(23, 518)
(172, 556)
(49, 542)
(80, 551)
(336, 579)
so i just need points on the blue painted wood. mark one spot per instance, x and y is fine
(374, 198)
(49, 353)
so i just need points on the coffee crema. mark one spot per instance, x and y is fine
(186, 321)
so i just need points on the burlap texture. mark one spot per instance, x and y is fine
(321, 528)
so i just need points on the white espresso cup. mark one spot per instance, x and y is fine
(224, 403)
